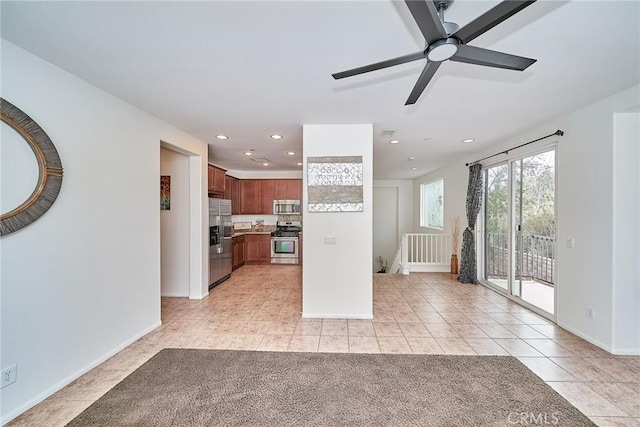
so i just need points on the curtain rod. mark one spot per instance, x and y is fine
(558, 132)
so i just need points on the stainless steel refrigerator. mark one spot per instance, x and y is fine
(220, 229)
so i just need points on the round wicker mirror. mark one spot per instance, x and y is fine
(49, 170)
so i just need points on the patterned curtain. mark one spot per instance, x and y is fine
(468, 267)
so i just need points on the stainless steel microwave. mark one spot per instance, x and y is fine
(286, 207)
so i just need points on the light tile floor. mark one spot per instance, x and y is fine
(423, 313)
(535, 293)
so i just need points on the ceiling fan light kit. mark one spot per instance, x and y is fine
(446, 40)
(441, 50)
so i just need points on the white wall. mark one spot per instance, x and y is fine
(337, 279)
(586, 188)
(84, 280)
(626, 233)
(174, 227)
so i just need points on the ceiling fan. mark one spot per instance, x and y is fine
(446, 40)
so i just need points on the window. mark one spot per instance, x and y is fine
(432, 204)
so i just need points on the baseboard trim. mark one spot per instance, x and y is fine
(337, 316)
(626, 351)
(6, 418)
(174, 294)
(427, 268)
(587, 338)
(613, 350)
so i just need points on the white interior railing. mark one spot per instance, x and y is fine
(425, 252)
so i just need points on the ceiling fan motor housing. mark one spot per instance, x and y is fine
(442, 49)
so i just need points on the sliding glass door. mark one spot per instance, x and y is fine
(519, 229)
(496, 226)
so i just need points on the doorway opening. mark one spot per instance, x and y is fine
(385, 227)
(186, 267)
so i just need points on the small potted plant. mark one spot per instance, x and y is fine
(383, 264)
(455, 238)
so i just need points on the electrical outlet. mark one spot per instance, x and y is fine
(9, 376)
(589, 313)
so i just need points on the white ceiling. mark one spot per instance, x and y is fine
(251, 69)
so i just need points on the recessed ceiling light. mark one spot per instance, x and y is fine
(291, 153)
(411, 158)
(221, 136)
(299, 164)
(265, 164)
(248, 153)
(468, 140)
(276, 136)
(394, 141)
(414, 169)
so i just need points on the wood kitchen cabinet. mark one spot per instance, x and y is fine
(235, 196)
(287, 189)
(227, 187)
(266, 193)
(294, 189)
(280, 189)
(257, 195)
(249, 197)
(216, 179)
(238, 244)
(257, 249)
(232, 192)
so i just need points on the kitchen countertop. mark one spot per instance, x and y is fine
(242, 233)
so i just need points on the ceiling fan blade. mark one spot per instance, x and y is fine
(490, 19)
(379, 65)
(490, 58)
(426, 75)
(425, 14)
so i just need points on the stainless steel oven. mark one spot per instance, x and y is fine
(284, 242)
(284, 250)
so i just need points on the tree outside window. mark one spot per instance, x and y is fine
(432, 204)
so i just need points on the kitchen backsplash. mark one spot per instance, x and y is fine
(290, 217)
(268, 219)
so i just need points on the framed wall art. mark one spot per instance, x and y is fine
(334, 184)
(165, 192)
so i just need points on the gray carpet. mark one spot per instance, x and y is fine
(179, 387)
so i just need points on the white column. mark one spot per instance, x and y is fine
(336, 278)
